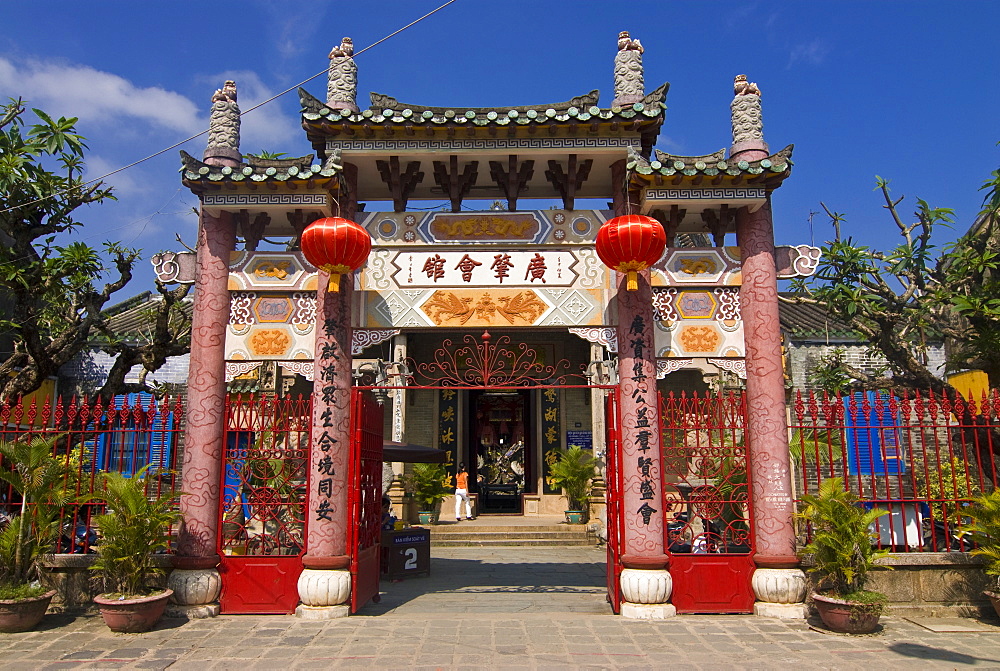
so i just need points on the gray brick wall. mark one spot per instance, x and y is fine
(804, 356)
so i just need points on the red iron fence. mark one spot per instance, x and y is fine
(89, 437)
(920, 456)
(706, 492)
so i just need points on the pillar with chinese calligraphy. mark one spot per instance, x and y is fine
(645, 580)
(325, 583)
(779, 585)
(195, 579)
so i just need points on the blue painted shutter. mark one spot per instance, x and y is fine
(872, 438)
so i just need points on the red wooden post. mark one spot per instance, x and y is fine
(324, 586)
(645, 581)
(196, 581)
(777, 576)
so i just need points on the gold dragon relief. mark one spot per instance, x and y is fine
(484, 227)
(477, 308)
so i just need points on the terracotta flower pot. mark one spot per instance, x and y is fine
(131, 616)
(992, 596)
(23, 614)
(845, 617)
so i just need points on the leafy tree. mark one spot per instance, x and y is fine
(901, 298)
(53, 289)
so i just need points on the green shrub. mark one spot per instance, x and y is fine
(431, 483)
(985, 529)
(134, 527)
(573, 470)
(842, 543)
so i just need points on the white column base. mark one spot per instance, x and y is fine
(322, 612)
(196, 612)
(783, 611)
(647, 611)
(196, 593)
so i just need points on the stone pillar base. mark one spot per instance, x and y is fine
(196, 593)
(647, 611)
(782, 611)
(322, 612)
(196, 612)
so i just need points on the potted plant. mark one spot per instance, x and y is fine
(134, 527)
(984, 514)
(844, 554)
(26, 537)
(431, 484)
(572, 470)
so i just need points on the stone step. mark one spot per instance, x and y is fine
(508, 536)
(466, 527)
(509, 542)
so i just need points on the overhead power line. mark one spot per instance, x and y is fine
(197, 135)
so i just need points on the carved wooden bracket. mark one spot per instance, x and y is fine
(298, 221)
(671, 221)
(401, 184)
(456, 186)
(513, 179)
(717, 223)
(253, 232)
(568, 183)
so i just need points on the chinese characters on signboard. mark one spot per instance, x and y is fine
(324, 470)
(643, 397)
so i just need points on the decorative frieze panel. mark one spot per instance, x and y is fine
(489, 146)
(705, 198)
(272, 203)
(526, 228)
(702, 266)
(270, 270)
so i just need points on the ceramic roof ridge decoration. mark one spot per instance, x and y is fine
(380, 102)
(714, 157)
(305, 168)
(779, 164)
(651, 106)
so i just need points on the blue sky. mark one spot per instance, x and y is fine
(906, 90)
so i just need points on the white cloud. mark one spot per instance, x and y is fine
(809, 53)
(99, 97)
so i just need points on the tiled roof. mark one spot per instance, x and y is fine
(387, 110)
(774, 167)
(196, 172)
(135, 315)
(803, 321)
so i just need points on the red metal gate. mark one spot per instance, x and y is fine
(261, 516)
(615, 521)
(708, 530)
(364, 497)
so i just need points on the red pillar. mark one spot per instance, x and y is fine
(640, 428)
(326, 539)
(201, 468)
(766, 426)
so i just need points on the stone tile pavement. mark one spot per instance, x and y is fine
(503, 608)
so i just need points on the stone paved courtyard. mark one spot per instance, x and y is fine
(505, 608)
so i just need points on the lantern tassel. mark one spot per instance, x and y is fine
(334, 283)
(631, 281)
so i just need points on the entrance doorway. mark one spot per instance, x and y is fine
(501, 449)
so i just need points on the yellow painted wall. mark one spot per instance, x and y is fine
(972, 384)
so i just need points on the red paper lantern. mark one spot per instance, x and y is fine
(336, 246)
(631, 243)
